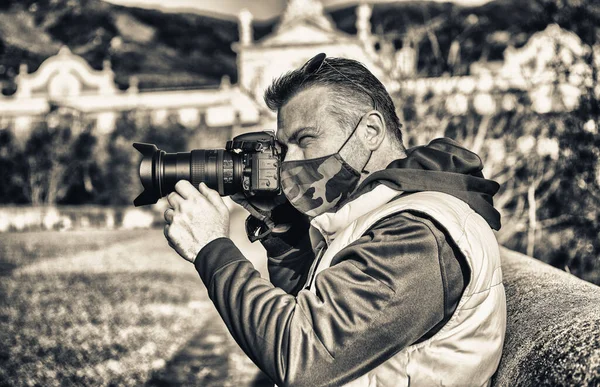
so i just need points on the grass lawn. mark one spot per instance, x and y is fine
(109, 308)
(24, 248)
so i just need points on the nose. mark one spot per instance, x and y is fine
(293, 153)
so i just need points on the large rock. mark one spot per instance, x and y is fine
(553, 328)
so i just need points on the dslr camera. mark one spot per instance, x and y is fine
(249, 164)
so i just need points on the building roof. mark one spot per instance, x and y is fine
(304, 22)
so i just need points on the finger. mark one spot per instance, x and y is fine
(213, 196)
(185, 189)
(169, 214)
(166, 232)
(174, 200)
(171, 245)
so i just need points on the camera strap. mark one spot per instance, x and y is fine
(258, 224)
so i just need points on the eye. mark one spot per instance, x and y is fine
(304, 140)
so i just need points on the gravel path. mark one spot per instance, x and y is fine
(210, 359)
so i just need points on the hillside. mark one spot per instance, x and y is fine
(189, 50)
(162, 49)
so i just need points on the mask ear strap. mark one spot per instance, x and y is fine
(363, 170)
(350, 136)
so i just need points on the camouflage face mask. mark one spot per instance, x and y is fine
(316, 186)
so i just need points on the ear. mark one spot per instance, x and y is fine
(373, 130)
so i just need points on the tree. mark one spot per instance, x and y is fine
(57, 157)
(14, 185)
(120, 181)
(545, 155)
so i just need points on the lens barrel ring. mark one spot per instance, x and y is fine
(159, 172)
(198, 167)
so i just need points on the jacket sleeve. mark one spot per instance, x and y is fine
(288, 248)
(381, 294)
(289, 262)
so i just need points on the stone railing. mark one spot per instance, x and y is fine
(553, 328)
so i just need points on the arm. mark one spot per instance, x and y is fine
(361, 314)
(288, 247)
(289, 269)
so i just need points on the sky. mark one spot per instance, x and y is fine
(261, 9)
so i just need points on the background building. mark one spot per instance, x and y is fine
(65, 82)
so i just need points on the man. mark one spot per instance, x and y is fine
(384, 268)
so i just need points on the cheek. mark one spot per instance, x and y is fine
(298, 153)
(312, 153)
(320, 147)
(315, 148)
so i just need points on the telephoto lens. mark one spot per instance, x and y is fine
(219, 169)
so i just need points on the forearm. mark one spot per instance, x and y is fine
(289, 260)
(360, 315)
(288, 248)
(262, 318)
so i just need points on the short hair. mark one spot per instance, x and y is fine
(350, 81)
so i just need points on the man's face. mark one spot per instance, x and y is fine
(307, 128)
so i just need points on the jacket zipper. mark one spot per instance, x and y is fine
(321, 247)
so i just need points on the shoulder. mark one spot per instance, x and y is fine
(397, 246)
(407, 225)
(407, 244)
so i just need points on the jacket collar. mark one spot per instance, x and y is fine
(328, 225)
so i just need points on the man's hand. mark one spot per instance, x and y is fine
(194, 219)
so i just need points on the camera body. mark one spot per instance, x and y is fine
(261, 157)
(249, 164)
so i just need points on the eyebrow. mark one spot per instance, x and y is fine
(297, 133)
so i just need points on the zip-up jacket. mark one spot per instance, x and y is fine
(397, 285)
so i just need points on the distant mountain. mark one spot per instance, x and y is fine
(191, 50)
(162, 49)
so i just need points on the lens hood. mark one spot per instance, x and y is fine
(149, 174)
